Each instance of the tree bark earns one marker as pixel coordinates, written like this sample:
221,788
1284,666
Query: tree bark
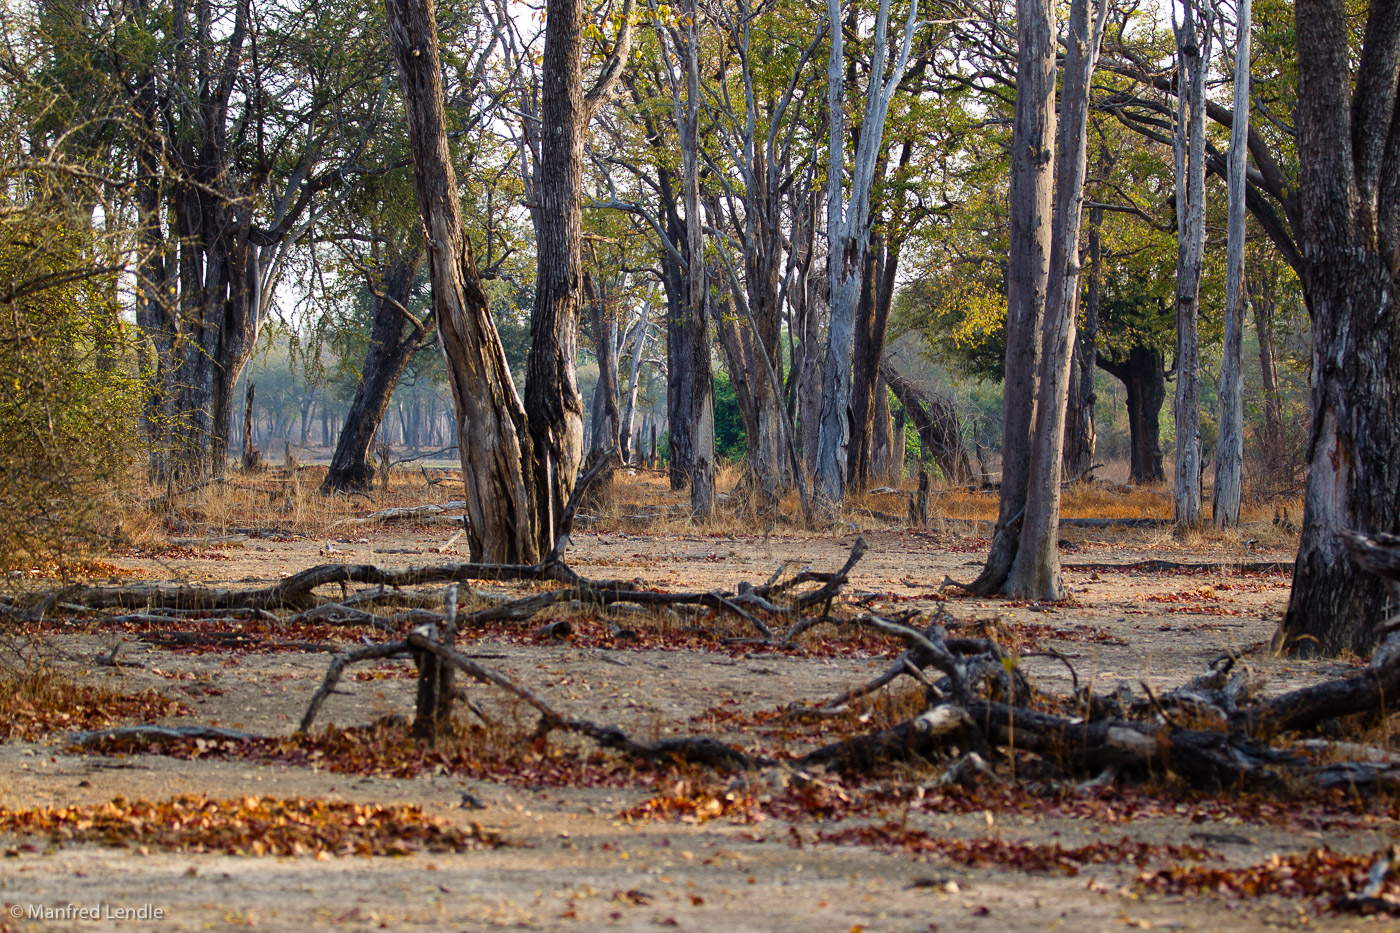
390,348
627,434
552,399
1035,573
1143,380
1229,449
495,444
1349,155
848,230
607,418
1188,146
1032,133
1080,432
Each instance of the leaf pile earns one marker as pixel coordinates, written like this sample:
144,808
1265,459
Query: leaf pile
385,749
1001,853
36,703
835,797
1317,873
688,801
251,826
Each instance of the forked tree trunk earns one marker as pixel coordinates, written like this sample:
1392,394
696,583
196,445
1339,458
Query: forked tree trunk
1349,158
1189,148
1229,449
848,229
627,431
393,340
1035,573
503,523
1032,135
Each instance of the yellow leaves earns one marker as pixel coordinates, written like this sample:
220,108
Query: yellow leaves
252,826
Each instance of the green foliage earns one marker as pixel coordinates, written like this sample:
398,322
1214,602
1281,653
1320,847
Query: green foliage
730,441
69,402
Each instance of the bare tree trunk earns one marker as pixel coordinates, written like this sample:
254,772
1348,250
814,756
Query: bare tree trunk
1262,298
702,451
627,432
503,525
881,433
869,348
1031,184
809,377
1035,574
390,348
1080,432
1349,174
1193,37
1229,449
1143,380
848,230
607,420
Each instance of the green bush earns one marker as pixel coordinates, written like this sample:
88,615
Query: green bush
68,401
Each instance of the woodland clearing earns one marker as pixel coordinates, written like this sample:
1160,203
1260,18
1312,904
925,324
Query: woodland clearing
505,829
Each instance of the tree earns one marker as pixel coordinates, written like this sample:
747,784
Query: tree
1193,38
552,399
848,226
1027,275
504,519
1035,574
1229,448
396,334
1349,175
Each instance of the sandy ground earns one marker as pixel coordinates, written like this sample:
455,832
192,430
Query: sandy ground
574,863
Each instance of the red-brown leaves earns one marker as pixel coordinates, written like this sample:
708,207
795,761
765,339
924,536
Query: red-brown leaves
1317,873
35,703
251,826
386,750
1001,853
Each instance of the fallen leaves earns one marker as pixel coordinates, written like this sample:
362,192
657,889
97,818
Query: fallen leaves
1001,853
34,704
385,749
252,826
1317,873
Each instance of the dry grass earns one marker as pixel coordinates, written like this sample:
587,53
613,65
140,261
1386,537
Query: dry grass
640,500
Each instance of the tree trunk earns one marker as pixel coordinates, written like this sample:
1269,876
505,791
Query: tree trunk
1030,202
1229,449
1080,431
393,340
1349,157
1262,298
1188,146
848,230
627,431
869,348
607,419
552,399
1143,379
1035,573
881,434
503,524
940,433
